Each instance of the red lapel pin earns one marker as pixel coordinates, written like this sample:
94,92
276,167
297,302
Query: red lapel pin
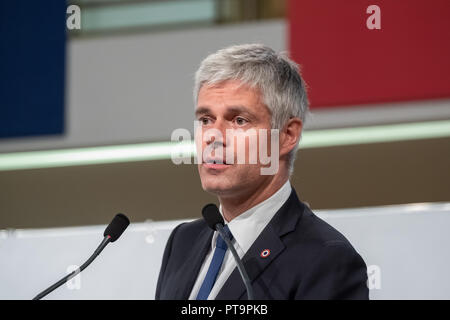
265,253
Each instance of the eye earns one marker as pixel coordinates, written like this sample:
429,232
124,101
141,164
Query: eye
204,121
240,121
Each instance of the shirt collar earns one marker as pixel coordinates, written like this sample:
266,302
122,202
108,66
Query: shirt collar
248,225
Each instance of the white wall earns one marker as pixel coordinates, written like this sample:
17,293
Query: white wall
405,247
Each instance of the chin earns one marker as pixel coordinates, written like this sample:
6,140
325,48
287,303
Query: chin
216,187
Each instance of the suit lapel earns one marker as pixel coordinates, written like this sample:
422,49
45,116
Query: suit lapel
284,221
188,272
254,264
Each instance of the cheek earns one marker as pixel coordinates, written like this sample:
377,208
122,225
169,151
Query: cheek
243,145
269,142
201,146
259,147
198,138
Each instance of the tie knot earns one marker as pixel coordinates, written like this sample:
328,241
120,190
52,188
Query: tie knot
220,243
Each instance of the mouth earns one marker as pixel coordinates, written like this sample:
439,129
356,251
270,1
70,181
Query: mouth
215,163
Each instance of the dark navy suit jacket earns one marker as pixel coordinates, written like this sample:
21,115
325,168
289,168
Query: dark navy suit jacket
308,259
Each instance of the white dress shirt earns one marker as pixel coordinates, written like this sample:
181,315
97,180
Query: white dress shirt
245,229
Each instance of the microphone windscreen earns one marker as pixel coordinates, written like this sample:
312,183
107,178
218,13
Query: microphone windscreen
116,227
212,215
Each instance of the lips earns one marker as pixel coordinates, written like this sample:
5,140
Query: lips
215,163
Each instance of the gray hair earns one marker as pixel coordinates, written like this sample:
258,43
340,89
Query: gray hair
274,74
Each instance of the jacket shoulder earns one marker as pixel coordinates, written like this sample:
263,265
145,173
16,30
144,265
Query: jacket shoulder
190,229
317,231
186,234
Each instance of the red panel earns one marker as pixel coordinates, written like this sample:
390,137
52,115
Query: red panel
345,63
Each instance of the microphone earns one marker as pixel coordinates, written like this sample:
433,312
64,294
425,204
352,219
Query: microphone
215,221
114,230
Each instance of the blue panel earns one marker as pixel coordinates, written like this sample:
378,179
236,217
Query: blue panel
32,67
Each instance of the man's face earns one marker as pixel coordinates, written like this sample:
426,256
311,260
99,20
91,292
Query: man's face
233,106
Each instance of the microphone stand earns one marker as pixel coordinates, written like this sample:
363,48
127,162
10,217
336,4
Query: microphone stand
240,266
97,251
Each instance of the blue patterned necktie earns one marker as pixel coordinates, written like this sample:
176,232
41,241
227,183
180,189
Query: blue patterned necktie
214,267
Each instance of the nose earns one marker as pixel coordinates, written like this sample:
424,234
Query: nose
215,134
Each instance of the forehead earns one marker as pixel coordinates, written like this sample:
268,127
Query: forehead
229,93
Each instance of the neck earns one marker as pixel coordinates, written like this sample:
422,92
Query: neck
236,205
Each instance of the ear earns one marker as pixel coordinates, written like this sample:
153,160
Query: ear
290,135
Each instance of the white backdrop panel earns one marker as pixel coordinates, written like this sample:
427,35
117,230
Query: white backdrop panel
406,248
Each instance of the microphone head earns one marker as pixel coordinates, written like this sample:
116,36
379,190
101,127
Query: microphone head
116,227
212,216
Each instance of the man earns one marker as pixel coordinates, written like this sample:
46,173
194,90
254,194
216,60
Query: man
287,251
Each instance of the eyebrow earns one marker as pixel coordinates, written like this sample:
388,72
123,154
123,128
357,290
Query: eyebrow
232,109
202,110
